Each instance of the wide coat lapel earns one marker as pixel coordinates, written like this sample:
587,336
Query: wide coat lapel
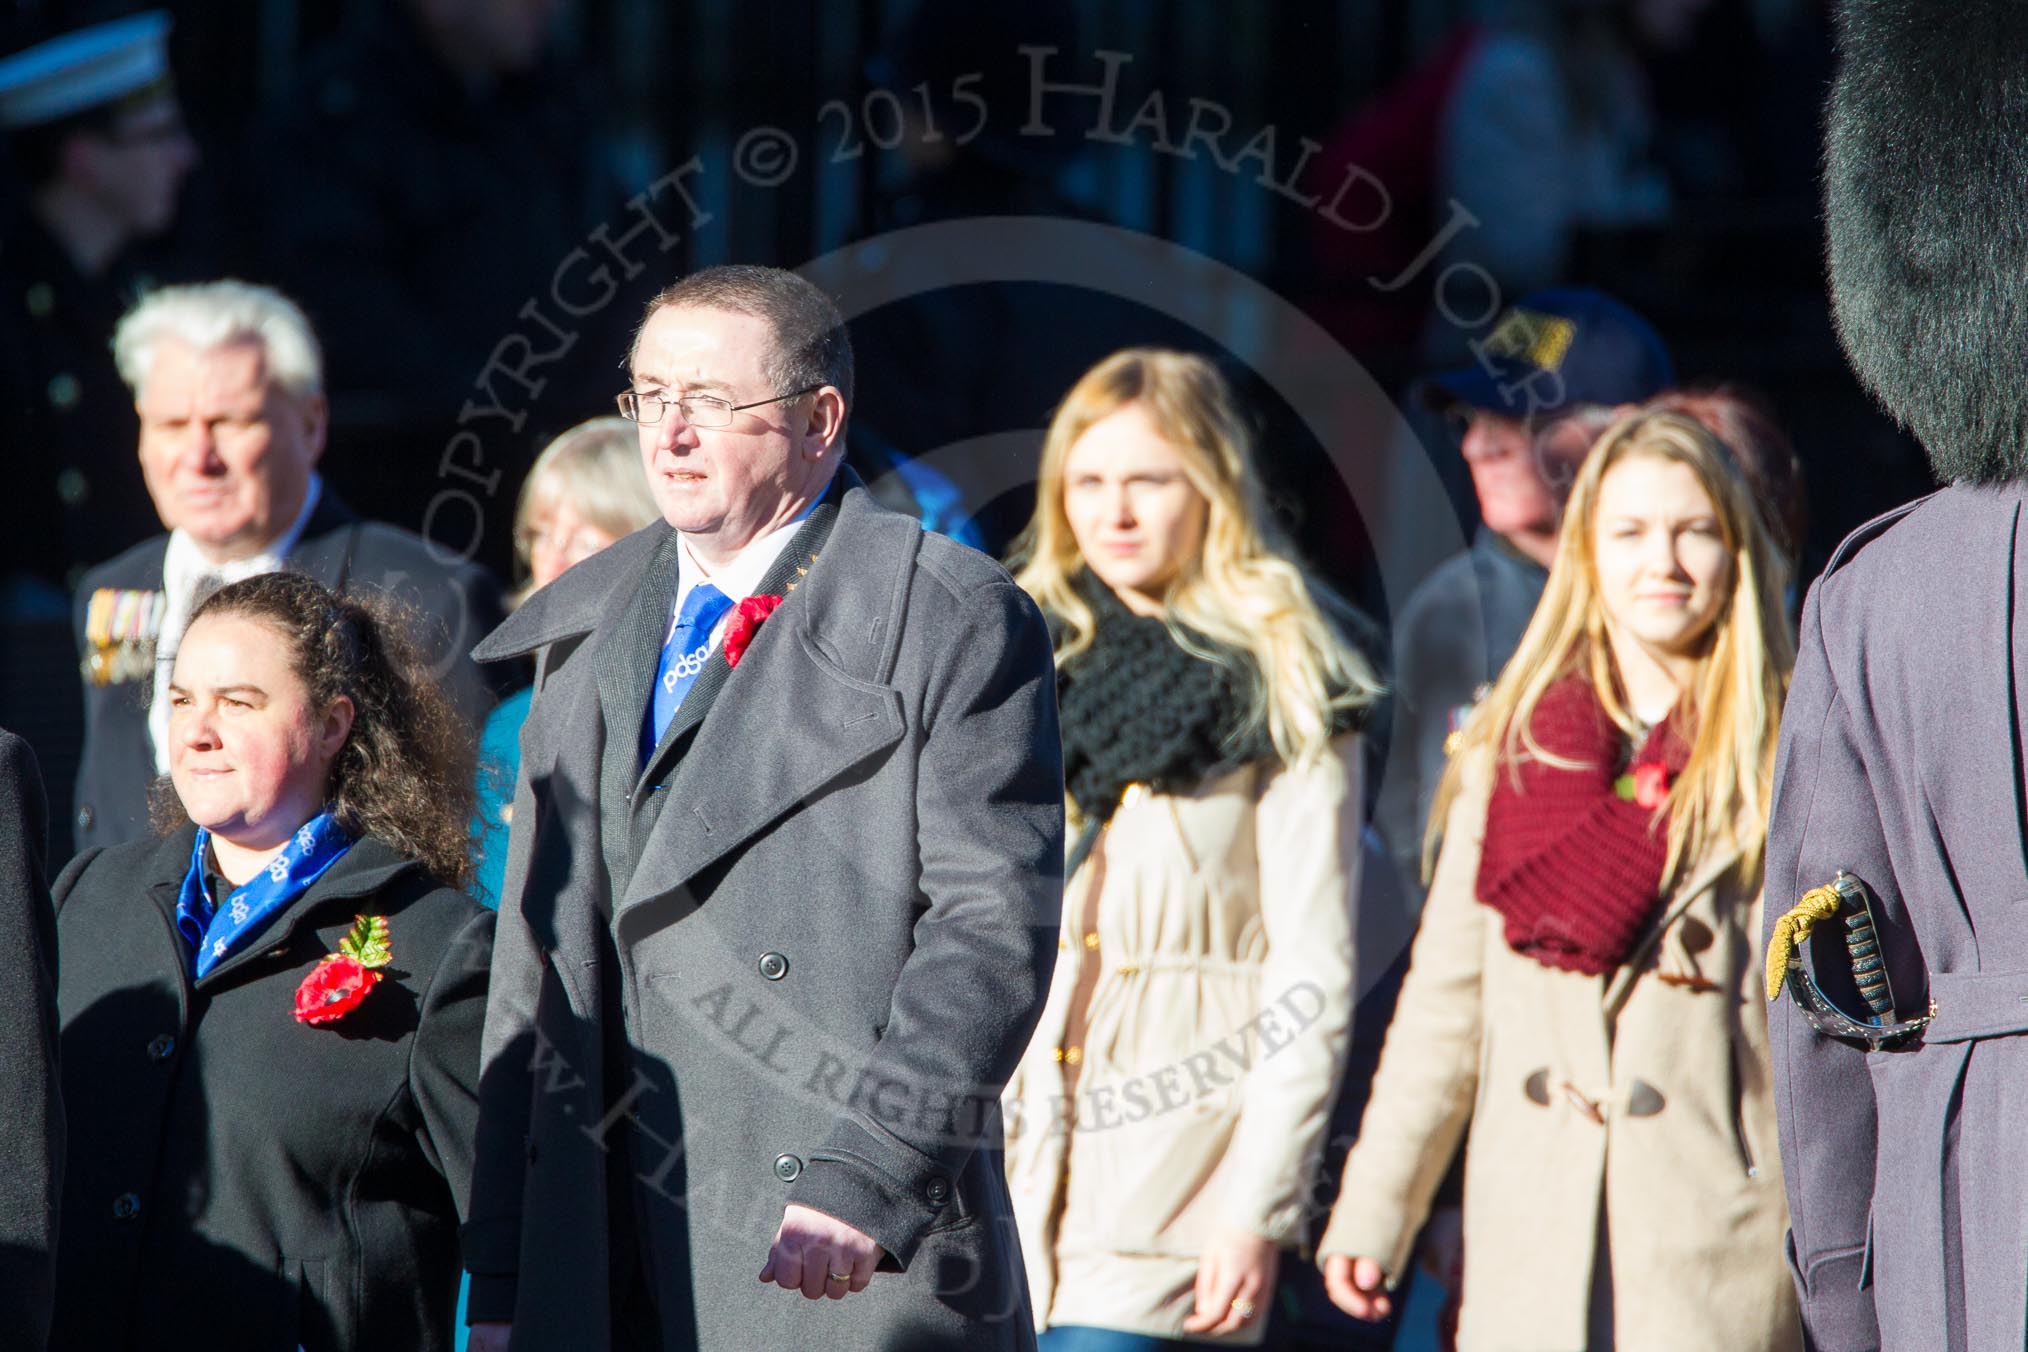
588,598
781,580
1708,873
809,700
324,551
606,687
629,650
165,866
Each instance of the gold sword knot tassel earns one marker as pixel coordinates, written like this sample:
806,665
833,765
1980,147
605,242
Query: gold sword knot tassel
1819,903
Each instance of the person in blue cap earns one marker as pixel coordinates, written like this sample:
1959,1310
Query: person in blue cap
1546,380
93,156
97,154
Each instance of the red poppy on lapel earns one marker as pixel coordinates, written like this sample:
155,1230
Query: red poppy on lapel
338,982
745,622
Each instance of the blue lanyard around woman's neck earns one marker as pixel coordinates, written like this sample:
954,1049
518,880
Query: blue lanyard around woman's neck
214,930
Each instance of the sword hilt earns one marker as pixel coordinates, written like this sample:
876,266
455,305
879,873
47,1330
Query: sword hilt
1869,972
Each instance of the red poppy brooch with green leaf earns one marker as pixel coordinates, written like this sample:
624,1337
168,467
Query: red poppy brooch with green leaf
337,984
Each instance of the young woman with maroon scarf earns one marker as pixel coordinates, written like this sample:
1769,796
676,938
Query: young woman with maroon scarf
1583,990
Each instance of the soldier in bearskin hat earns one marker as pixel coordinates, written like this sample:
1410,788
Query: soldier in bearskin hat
1897,861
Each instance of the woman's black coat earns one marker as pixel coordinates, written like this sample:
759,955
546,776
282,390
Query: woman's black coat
241,1180
31,1158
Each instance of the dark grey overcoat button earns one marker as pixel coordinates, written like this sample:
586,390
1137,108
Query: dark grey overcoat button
788,1168
938,1189
773,966
160,1046
126,1206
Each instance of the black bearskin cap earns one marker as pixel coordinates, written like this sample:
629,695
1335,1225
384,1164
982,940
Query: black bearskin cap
1926,206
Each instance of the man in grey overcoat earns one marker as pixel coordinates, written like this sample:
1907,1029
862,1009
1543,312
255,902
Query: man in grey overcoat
1903,739
781,892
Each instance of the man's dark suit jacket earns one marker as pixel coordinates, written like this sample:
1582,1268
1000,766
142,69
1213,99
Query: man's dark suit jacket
458,601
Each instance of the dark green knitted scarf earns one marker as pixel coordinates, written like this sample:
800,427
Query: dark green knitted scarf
1139,709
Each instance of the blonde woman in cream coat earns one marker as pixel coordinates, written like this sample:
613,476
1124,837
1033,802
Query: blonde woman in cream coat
1164,1127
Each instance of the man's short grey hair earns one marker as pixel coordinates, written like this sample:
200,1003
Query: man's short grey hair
811,344
212,314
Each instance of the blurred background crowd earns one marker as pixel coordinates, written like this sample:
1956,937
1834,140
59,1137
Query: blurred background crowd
471,200
1430,251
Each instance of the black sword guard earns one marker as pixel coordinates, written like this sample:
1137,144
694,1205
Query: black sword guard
1880,1029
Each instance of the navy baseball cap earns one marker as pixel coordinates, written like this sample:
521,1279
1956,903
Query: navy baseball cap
1558,349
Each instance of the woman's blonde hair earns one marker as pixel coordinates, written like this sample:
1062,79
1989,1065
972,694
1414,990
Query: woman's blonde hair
596,468
1736,694
1242,593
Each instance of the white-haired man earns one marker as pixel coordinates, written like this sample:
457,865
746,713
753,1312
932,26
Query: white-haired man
228,382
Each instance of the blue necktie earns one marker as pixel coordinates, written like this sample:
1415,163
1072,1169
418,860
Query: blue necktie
683,654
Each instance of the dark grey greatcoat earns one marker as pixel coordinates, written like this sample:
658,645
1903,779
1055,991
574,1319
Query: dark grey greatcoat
1902,761
824,921
242,1182
31,1157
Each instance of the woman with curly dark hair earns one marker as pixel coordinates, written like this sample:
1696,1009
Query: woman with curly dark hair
271,1015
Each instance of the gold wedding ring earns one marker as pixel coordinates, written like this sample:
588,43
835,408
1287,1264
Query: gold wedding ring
1243,1308
845,1277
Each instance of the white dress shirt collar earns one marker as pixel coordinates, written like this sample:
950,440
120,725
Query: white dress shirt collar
183,562
183,568
738,578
